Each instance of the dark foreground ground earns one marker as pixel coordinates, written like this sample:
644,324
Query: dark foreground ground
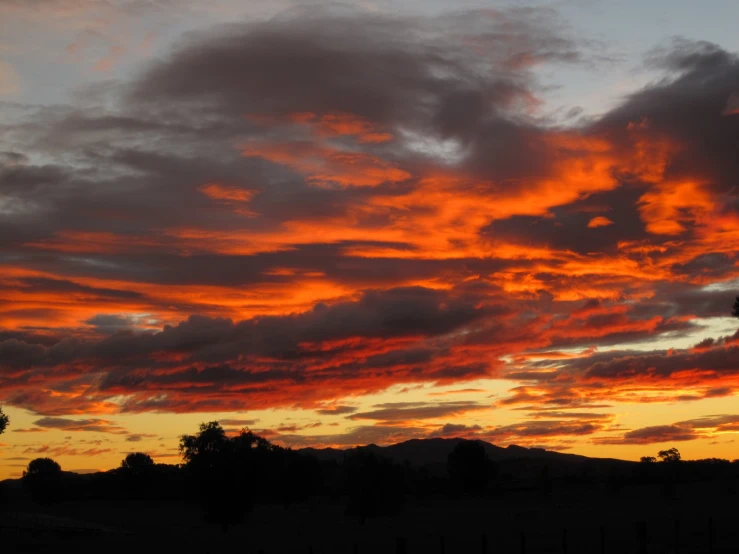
694,518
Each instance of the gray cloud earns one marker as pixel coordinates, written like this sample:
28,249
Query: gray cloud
409,411
92,425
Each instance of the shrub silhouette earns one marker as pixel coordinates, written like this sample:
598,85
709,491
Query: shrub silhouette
469,467
43,479
735,309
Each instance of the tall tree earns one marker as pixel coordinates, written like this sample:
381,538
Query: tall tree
222,483
205,450
672,455
4,420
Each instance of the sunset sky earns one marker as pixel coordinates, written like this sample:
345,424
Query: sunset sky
364,222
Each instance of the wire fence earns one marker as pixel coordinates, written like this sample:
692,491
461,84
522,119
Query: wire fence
709,535
41,523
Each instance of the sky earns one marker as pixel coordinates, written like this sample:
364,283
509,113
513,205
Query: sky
348,223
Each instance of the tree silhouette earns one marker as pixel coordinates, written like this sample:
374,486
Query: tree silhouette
672,455
138,472
206,449
258,468
469,466
220,469
735,309
4,420
137,463
647,459
43,479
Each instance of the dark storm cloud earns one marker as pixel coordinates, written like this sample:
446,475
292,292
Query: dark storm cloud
168,268
387,70
15,353
712,358
679,299
110,323
567,228
463,78
70,287
381,314
688,107
125,360
662,364
709,265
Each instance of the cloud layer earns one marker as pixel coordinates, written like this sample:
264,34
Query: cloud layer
299,212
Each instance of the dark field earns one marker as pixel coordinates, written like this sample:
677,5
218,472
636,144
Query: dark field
693,518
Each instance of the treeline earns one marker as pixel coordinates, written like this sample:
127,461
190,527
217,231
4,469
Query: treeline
228,476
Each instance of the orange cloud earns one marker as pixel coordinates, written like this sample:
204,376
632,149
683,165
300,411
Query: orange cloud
732,105
109,62
669,207
329,125
326,166
402,234
217,191
599,221
10,80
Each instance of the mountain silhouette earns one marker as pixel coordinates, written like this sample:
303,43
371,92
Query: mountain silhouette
420,452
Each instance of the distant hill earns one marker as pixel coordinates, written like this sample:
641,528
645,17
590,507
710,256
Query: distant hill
421,452
432,454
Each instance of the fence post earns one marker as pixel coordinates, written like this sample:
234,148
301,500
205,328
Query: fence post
523,542
642,537
400,547
677,536
484,544
602,540
564,541
356,548
710,535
